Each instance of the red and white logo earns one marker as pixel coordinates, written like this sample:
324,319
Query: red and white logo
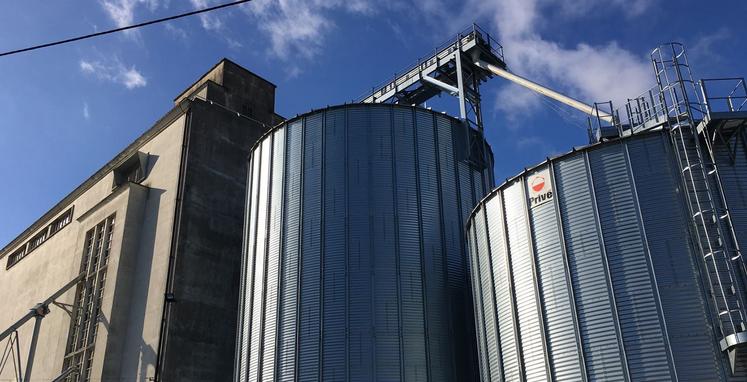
538,183
540,187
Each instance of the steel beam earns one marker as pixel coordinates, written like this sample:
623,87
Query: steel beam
39,312
443,85
460,81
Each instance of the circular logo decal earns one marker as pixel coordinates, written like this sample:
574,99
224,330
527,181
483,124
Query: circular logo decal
538,183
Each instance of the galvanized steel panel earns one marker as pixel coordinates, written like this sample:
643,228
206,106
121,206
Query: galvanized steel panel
484,273
646,353
617,273
259,253
310,279
334,317
273,257
484,294
287,322
522,273
663,211
361,325
413,303
248,260
733,175
556,298
433,251
734,181
604,358
383,244
504,300
366,277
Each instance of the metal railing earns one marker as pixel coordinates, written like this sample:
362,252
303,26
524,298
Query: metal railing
441,51
646,110
597,124
733,101
712,227
653,107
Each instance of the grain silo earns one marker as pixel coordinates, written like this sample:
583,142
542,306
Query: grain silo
354,267
621,261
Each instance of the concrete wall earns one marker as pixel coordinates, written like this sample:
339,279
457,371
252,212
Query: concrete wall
244,92
202,320
138,356
57,261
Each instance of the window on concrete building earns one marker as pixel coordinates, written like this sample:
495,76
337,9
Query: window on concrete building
131,170
38,239
61,222
87,306
16,256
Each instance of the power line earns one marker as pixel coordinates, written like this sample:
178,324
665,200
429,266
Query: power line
97,34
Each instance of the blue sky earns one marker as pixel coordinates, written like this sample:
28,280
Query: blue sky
67,110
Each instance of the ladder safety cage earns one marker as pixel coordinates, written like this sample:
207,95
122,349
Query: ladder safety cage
680,107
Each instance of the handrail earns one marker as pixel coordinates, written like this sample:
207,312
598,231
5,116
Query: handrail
738,92
442,50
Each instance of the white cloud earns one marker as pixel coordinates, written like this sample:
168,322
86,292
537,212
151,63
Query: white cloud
514,102
209,21
704,49
233,44
131,78
589,72
628,8
122,12
292,72
87,67
114,71
535,144
297,27
178,33
86,112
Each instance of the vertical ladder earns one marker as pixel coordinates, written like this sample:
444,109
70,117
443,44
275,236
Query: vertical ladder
711,222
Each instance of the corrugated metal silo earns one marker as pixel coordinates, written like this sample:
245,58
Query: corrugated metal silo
585,268
354,266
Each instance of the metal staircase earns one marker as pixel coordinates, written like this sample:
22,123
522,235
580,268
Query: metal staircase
723,267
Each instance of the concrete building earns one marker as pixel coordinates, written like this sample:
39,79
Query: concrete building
156,234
